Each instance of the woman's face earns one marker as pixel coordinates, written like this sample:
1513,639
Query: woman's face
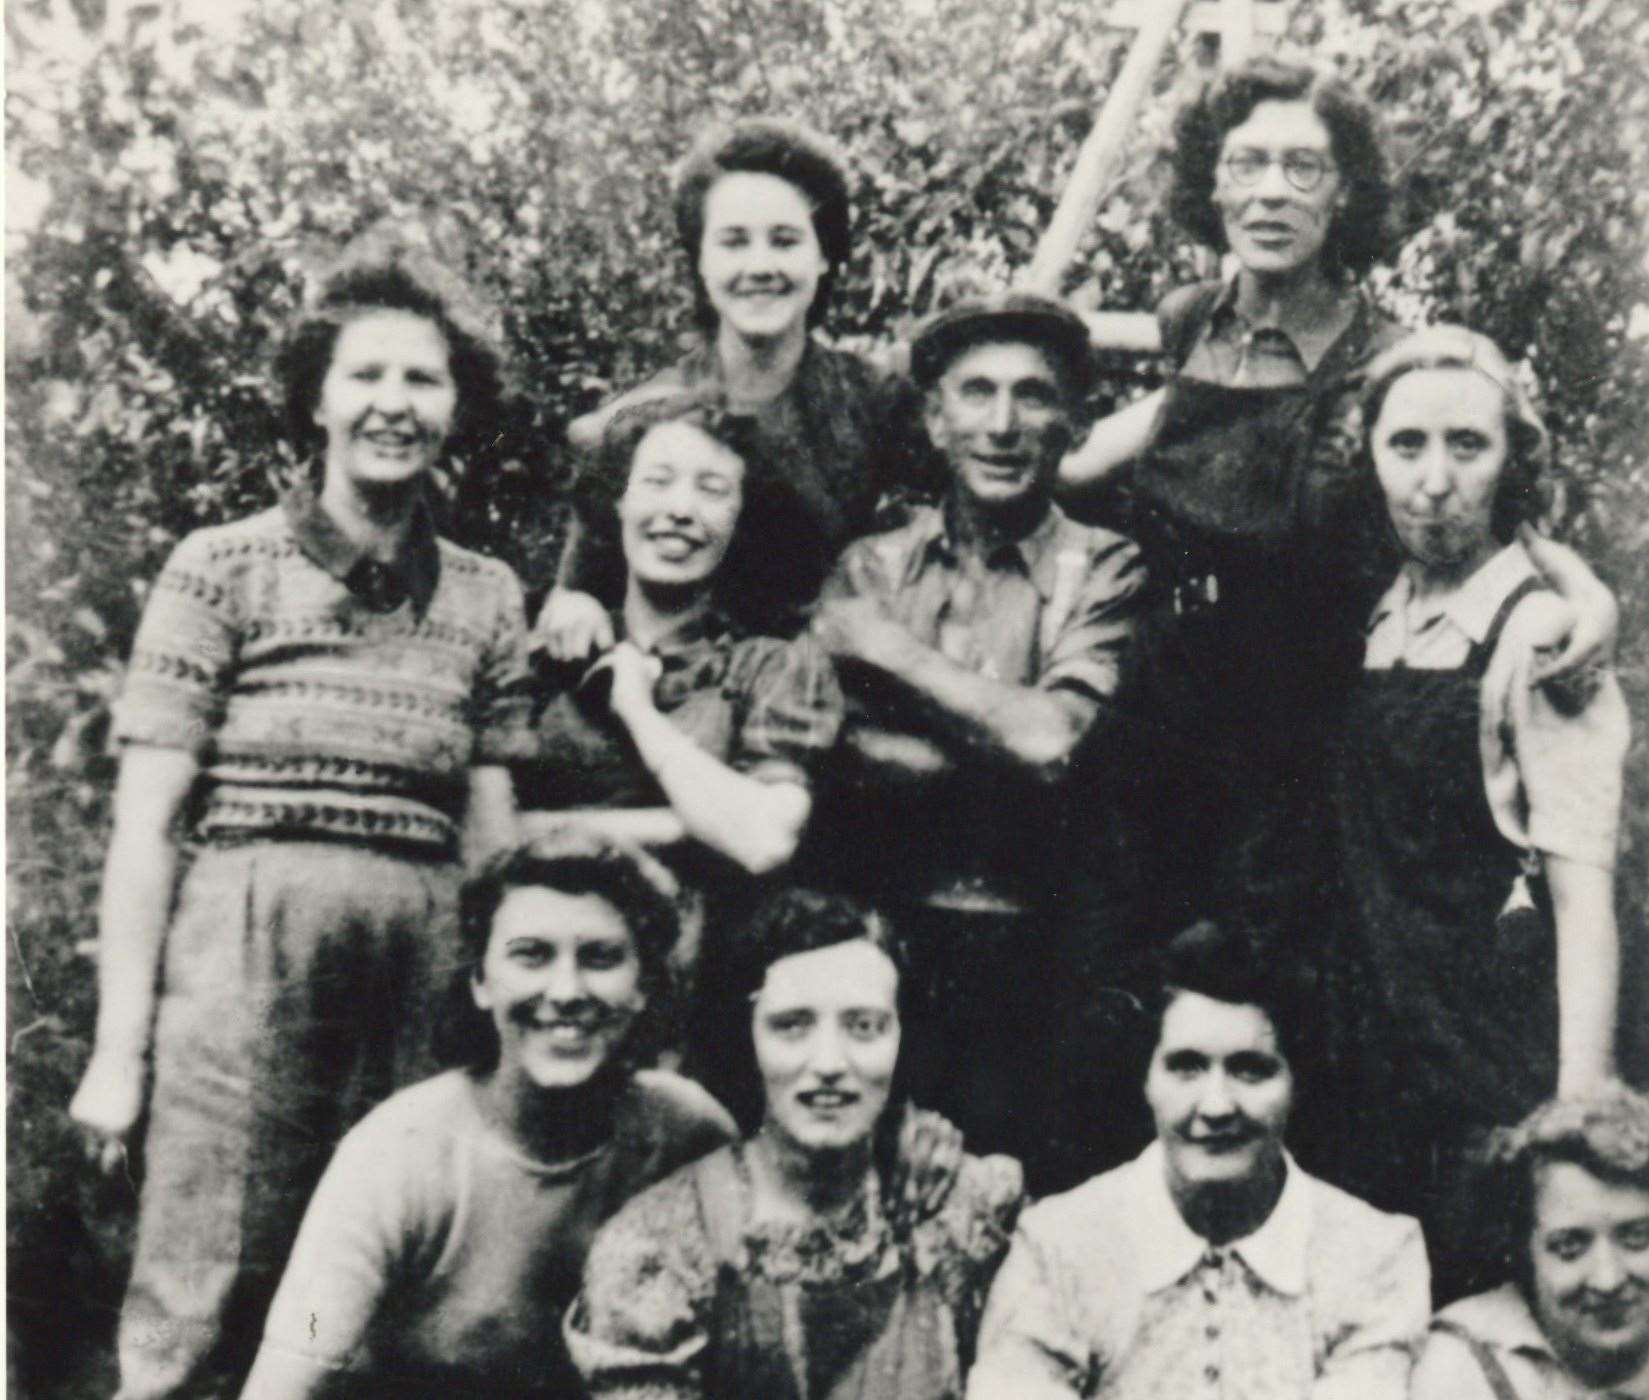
562,981
760,257
1275,228
826,1028
680,506
1590,1254
1439,447
388,399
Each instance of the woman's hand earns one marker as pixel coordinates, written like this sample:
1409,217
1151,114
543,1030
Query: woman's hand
1589,641
634,674
572,626
107,1105
930,1160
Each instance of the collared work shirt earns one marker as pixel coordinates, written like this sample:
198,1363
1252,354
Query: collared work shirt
1053,609
1106,1291
1553,757
1500,1322
1235,350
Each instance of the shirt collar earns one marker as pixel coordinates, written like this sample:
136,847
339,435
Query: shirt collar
1036,552
1170,1249
709,626
413,573
1312,338
1472,607
1503,1319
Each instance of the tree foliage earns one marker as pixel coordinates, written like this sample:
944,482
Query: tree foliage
186,175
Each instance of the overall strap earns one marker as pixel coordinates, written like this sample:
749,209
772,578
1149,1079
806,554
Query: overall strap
1183,316
1482,653
1493,1372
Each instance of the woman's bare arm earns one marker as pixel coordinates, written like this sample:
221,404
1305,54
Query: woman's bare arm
1588,973
139,875
1110,443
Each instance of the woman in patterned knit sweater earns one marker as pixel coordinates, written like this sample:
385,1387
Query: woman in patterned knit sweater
315,694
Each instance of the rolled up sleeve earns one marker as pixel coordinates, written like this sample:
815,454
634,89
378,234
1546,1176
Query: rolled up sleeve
790,711
1373,1355
1090,649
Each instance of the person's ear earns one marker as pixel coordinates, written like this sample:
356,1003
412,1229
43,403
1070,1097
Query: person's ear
479,992
933,418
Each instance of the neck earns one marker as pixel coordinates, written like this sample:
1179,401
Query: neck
819,1182
652,613
553,1125
757,371
985,528
1304,296
378,519
1431,577
1229,1210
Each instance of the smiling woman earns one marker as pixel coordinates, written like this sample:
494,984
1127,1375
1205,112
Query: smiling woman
448,1234
772,1268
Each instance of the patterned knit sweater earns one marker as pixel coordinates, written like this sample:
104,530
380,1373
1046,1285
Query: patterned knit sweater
312,711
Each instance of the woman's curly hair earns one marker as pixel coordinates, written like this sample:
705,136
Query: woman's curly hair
391,267
1607,1135
1358,235
569,861
766,146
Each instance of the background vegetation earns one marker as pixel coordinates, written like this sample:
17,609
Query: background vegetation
176,172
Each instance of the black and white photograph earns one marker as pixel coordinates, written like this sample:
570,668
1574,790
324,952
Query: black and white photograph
827,699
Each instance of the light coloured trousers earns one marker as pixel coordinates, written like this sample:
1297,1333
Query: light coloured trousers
299,988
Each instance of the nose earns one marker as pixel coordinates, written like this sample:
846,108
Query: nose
564,981
1215,1100
1435,479
1605,1272
1004,416
390,395
827,1057
1273,184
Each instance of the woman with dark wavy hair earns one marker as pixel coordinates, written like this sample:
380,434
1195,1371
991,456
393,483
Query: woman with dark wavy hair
316,695
1568,1200
781,1266
763,217
448,1235
1245,497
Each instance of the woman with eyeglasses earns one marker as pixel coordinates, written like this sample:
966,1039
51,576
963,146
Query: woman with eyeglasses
1242,495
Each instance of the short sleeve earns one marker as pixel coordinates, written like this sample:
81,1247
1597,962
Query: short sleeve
640,1328
1379,1320
502,697
1029,1347
365,1219
1448,1371
1554,758
183,660
789,709
1090,649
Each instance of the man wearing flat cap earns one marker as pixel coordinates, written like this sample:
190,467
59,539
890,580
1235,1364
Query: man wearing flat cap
981,644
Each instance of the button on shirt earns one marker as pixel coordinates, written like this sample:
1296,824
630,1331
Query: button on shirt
1501,1323
1106,1291
1553,754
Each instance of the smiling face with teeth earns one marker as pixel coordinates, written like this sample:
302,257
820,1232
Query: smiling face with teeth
561,979
760,260
826,1029
680,506
387,402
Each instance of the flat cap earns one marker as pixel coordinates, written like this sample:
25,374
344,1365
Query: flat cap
975,319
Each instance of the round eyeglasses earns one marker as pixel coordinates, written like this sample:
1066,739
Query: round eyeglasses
1304,170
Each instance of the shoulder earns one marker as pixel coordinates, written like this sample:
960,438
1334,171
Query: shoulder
1349,1236
1181,313
658,1232
220,548
681,1117
921,524
1101,546
423,1119
983,1207
1447,1369
1066,1223
473,565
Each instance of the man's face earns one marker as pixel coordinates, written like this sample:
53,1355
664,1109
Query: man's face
998,414
1220,1091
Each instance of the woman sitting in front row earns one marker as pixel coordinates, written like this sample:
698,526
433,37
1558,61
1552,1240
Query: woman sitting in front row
772,1268
1574,1204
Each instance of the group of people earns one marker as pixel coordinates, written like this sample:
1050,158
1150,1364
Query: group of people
898,764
